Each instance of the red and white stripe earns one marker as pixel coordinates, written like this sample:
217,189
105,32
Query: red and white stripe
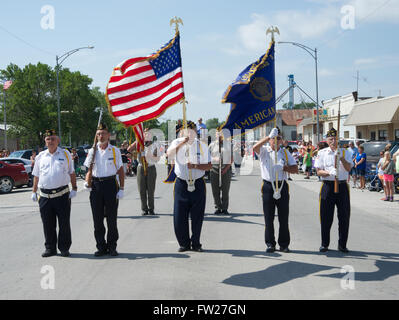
139,133
135,94
7,84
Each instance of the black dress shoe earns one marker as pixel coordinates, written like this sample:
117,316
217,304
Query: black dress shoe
100,253
343,249
183,249
286,250
323,249
48,253
218,211
113,252
151,212
144,213
198,249
225,212
271,249
65,254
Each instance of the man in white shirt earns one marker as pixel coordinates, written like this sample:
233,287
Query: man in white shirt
192,159
105,190
53,171
275,196
328,171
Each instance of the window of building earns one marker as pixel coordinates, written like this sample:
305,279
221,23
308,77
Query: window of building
372,135
346,134
396,134
382,135
330,125
359,135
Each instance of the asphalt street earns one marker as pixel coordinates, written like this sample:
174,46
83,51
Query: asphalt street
234,264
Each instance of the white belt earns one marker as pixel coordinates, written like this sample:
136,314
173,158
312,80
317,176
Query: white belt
53,195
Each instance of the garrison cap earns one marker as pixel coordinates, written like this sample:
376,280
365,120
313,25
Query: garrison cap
49,133
102,126
332,133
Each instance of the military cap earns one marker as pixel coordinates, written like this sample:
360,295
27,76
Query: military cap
49,133
102,126
191,125
332,133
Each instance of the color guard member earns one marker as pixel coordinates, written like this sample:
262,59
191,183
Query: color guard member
273,196
53,171
325,166
192,159
105,191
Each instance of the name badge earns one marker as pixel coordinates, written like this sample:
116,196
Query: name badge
61,159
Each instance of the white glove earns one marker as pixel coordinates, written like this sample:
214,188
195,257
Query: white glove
273,133
332,171
34,197
86,186
72,194
119,195
278,167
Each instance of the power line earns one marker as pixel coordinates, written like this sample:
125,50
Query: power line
26,42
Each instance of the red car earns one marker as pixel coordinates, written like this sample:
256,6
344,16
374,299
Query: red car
12,175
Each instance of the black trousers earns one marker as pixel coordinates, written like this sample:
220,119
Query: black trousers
52,210
189,204
105,205
269,206
328,201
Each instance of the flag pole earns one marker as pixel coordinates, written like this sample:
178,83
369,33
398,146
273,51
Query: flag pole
273,30
176,21
5,120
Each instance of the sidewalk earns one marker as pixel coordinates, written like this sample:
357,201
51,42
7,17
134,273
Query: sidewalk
368,201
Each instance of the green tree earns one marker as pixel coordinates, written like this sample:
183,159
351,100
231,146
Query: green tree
212,123
303,105
32,104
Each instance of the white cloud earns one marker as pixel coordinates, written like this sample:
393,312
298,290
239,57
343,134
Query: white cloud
365,61
292,25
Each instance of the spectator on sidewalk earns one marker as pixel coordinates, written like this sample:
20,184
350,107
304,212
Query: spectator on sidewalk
307,160
389,172
360,164
380,173
354,152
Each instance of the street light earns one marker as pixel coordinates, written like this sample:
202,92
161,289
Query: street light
59,60
313,53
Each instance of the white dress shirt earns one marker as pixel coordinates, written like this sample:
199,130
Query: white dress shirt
53,170
104,163
325,160
267,161
197,152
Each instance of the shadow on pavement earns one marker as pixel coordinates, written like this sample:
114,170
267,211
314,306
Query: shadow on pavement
276,275
291,270
129,256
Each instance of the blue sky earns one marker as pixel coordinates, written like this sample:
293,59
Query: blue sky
219,39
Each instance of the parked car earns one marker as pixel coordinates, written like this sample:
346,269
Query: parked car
26,163
21,154
12,175
347,141
373,149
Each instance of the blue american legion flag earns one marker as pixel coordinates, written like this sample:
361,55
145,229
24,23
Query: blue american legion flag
143,88
252,95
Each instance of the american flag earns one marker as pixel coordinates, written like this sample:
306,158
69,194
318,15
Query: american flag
139,133
7,84
141,89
